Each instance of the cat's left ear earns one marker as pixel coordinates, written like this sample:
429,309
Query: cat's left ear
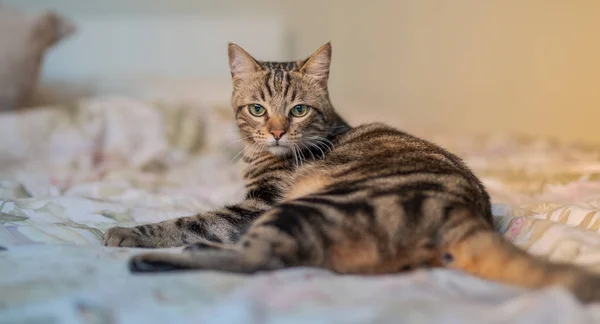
317,65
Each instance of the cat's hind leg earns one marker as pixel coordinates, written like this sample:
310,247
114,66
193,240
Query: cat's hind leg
218,260
202,246
472,246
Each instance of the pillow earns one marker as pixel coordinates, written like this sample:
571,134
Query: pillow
24,39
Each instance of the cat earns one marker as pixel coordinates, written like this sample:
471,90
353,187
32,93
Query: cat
355,200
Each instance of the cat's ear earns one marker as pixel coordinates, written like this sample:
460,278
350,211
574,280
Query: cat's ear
317,65
240,62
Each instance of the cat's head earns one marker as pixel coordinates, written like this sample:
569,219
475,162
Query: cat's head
282,107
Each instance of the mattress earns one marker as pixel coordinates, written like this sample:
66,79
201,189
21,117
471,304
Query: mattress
67,173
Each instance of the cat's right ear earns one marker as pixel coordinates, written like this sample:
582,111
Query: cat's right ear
240,62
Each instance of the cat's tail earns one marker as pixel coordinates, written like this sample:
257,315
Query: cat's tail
477,249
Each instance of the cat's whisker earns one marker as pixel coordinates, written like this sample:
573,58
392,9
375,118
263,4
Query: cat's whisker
258,149
301,153
309,151
320,144
309,143
322,140
241,151
239,140
326,141
295,155
250,153
234,144
318,148
302,157
300,160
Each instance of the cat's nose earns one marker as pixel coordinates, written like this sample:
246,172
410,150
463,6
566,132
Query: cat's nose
277,133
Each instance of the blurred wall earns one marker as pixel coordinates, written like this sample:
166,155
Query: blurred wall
122,39
496,65
122,46
529,67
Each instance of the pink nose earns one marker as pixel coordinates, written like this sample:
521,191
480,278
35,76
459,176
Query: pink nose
277,133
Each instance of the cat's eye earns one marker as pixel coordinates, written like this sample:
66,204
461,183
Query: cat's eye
300,110
256,110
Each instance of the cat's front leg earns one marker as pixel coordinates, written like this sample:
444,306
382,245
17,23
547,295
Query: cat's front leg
225,225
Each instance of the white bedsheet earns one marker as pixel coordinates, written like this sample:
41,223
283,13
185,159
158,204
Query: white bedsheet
72,284
113,168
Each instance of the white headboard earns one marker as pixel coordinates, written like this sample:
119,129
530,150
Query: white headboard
113,47
191,46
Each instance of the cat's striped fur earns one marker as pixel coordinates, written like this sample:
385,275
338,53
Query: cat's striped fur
366,200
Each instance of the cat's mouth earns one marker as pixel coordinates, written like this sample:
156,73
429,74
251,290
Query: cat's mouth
279,149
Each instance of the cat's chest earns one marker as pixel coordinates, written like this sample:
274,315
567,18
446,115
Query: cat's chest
305,184
292,181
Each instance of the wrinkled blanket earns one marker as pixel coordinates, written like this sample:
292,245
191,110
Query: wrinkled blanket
69,173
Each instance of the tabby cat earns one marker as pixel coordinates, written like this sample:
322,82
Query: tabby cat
362,200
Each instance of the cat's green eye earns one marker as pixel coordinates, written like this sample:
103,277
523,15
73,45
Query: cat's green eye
300,110
256,110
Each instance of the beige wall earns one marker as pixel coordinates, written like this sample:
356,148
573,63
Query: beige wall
528,66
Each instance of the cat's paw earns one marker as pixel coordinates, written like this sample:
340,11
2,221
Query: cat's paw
587,288
124,237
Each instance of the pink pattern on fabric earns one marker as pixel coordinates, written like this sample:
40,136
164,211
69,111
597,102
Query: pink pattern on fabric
515,228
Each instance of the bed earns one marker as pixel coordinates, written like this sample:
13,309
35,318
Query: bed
69,172
144,150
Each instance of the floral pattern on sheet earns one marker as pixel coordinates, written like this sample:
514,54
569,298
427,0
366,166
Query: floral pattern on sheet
120,161
72,172
114,161
546,194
